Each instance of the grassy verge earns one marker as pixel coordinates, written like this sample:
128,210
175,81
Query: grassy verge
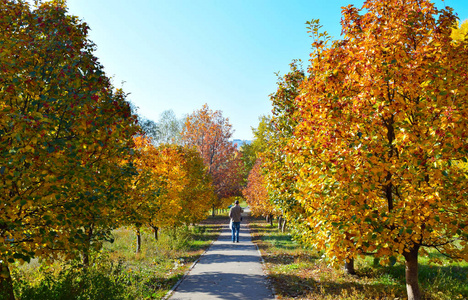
299,273
116,272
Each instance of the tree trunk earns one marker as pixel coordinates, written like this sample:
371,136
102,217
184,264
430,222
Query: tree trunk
213,211
412,284
283,227
280,220
349,266
138,241
271,220
88,246
155,231
6,283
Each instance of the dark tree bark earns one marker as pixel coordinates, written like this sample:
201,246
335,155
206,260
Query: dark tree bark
412,284
349,266
88,246
138,242
155,231
269,219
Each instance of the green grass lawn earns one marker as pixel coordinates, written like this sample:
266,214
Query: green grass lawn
300,273
116,272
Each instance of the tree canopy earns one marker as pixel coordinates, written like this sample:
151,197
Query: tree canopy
382,134
209,132
65,135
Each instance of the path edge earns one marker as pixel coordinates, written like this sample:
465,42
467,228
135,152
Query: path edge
265,270
176,285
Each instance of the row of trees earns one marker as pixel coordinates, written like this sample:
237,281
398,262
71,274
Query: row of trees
74,161
367,152
170,189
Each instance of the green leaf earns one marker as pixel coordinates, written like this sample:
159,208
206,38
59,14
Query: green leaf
17,255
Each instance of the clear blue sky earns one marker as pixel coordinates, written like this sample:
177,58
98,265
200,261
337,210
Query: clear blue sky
180,54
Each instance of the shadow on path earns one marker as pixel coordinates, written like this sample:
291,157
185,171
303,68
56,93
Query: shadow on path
227,271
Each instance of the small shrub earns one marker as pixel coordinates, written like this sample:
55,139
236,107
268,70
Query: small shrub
102,280
177,238
199,230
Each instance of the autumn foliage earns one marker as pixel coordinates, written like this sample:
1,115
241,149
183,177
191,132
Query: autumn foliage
171,188
156,187
365,155
74,164
276,132
459,33
382,136
256,194
65,136
209,132
196,195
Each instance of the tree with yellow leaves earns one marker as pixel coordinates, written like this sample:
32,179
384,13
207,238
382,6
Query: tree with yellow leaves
155,193
382,131
459,33
171,188
195,197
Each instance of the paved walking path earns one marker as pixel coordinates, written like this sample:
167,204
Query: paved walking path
227,271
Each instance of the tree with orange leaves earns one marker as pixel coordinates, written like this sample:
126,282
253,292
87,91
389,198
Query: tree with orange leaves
209,132
256,194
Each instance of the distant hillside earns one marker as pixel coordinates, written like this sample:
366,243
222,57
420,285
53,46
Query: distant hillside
240,142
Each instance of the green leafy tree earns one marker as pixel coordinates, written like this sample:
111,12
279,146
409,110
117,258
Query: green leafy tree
273,138
169,128
250,152
149,128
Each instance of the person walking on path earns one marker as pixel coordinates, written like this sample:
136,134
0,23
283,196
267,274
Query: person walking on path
235,215
226,271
